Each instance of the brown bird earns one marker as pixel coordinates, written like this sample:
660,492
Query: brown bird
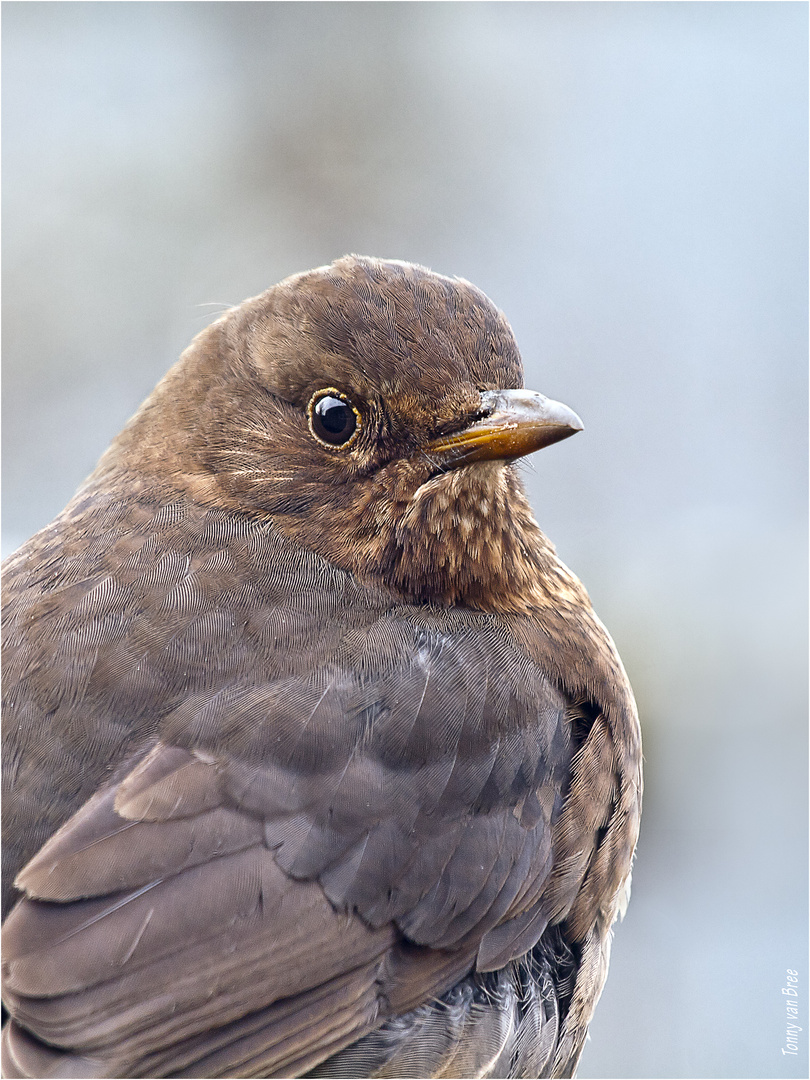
317,759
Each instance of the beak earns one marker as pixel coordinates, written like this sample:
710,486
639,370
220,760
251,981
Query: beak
515,422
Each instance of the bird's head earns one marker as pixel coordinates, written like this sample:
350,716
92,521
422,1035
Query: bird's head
373,410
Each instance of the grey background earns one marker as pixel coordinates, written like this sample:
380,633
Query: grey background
628,182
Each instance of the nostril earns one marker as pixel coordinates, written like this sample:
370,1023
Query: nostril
482,414
489,403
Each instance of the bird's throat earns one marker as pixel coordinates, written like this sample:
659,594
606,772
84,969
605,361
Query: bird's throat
469,537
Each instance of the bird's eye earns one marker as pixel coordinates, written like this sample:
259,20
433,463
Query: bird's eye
333,419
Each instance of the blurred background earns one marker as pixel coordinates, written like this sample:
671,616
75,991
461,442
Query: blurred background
628,182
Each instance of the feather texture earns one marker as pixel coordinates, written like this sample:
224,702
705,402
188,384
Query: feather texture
313,763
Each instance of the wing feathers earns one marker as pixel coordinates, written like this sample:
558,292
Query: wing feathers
99,851
168,783
197,918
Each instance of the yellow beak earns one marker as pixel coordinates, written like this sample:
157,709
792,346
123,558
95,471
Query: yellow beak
515,422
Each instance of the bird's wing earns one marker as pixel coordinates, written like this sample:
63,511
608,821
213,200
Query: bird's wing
362,842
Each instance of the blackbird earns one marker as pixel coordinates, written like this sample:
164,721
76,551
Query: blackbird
317,760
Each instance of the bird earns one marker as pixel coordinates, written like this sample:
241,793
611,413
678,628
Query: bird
317,760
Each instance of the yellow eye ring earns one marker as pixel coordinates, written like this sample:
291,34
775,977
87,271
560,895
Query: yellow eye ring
334,421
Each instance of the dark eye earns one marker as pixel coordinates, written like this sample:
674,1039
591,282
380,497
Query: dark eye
332,417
